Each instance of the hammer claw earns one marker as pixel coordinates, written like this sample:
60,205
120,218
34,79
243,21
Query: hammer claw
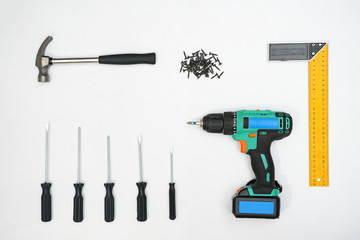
43,62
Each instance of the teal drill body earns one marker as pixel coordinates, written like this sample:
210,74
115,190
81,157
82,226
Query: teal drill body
255,130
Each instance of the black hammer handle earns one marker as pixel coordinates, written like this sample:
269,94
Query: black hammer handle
109,202
78,203
141,202
131,58
46,202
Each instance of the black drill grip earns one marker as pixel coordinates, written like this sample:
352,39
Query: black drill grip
172,206
78,203
263,166
130,58
109,202
46,202
141,202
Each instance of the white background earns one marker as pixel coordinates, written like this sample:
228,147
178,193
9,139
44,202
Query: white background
157,101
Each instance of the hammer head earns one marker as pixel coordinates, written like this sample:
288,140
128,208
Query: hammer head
43,62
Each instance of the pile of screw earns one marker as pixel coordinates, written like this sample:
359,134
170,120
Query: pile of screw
201,64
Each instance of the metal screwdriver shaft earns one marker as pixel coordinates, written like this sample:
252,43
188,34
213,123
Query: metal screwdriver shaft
172,205
78,198
46,196
141,198
109,198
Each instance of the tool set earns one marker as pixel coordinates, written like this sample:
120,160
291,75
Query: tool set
255,130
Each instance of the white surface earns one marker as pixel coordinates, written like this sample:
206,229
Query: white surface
157,101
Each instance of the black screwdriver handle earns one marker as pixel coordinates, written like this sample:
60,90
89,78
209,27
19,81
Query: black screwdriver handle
78,203
172,206
130,58
141,202
46,202
109,202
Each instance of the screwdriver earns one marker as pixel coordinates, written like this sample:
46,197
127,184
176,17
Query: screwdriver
141,198
46,196
172,208
78,198
109,198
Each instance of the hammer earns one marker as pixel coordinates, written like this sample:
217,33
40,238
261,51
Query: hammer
44,62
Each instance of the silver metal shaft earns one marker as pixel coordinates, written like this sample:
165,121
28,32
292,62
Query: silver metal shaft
140,158
108,160
171,165
47,128
74,60
79,157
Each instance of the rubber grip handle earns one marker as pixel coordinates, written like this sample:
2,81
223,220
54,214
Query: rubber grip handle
263,166
172,206
130,58
109,202
78,203
46,202
141,202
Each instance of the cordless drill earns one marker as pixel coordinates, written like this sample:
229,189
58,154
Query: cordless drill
255,130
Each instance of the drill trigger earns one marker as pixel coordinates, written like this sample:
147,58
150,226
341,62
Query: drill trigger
243,145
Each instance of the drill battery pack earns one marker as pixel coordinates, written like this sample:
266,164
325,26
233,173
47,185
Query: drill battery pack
256,207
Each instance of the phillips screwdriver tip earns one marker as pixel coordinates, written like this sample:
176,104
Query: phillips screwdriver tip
193,122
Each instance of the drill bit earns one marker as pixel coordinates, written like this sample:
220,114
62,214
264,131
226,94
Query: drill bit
46,195
194,123
78,198
109,198
141,198
172,208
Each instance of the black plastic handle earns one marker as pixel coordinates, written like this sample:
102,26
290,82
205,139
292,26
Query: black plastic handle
141,202
109,202
130,58
46,202
263,166
172,206
78,203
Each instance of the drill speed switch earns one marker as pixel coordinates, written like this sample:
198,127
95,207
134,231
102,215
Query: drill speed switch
255,130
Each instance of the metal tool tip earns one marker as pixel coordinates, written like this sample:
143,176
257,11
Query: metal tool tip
47,127
139,138
172,150
193,123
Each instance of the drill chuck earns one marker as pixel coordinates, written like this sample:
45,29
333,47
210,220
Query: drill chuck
220,123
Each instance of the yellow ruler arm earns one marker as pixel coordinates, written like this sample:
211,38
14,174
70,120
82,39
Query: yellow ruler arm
318,119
